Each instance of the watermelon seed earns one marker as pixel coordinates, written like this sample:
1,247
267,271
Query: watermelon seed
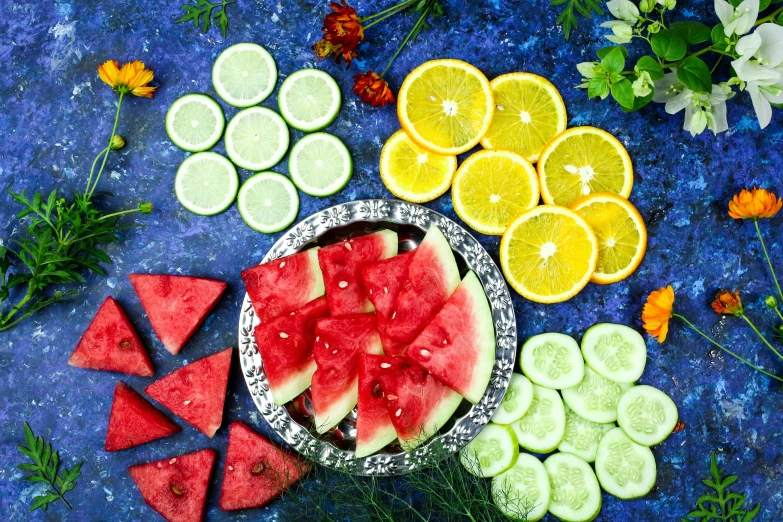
348,246
318,338
425,353
258,468
327,345
370,291
334,352
172,461
398,412
385,365
377,391
231,468
186,403
391,397
282,265
385,290
124,343
342,284
394,314
177,489
445,341
283,335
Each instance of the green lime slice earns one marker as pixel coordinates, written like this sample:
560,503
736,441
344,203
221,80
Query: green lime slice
195,122
244,74
268,202
309,100
320,164
256,138
206,183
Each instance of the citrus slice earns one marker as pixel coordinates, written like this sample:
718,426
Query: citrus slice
309,100
412,173
491,188
195,122
529,112
320,164
445,106
256,138
548,254
268,202
583,160
622,236
244,74
206,183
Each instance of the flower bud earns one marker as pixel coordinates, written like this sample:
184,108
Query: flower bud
647,5
771,301
146,208
117,142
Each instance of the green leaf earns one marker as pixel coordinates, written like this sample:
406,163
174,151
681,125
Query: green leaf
692,32
718,38
651,65
669,45
752,513
763,4
603,51
695,74
622,92
597,87
614,61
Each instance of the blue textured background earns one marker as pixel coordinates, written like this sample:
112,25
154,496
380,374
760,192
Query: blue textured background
56,115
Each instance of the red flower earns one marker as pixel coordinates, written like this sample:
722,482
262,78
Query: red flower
343,32
372,89
728,303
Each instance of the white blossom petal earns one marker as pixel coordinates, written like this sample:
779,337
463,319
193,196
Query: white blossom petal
725,12
679,102
752,71
761,105
770,48
721,123
663,86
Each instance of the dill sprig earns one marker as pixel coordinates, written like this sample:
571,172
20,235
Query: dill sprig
721,504
204,12
567,17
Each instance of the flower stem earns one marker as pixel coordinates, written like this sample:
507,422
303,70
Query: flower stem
769,262
395,8
121,212
416,28
763,339
108,148
769,18
92,169
717,63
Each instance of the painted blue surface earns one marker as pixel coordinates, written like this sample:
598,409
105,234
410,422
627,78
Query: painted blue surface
56,115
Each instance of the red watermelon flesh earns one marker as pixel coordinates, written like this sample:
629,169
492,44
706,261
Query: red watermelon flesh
256,470
176,487
374,428
196,392
342,264
134,421
458,345
286,347
110,343
390,345
281,286
432,278
339,343
176,305
383,280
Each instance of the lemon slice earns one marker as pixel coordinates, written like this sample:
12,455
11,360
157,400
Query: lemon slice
491,188
622,236
445,106
548,254
529,112
412,173
583,160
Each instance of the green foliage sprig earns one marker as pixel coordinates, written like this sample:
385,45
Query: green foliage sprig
722,505
567,18
204,12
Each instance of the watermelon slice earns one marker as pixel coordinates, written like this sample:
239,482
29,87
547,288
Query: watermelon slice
374,428
432,278
339,342
342,265
256,470
383,280
134,421
418,404
286,347
196,392
176,305
283,285
458,346
176,487
110,343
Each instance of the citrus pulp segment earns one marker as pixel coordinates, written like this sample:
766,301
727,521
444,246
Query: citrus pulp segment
256,138
268,202
244,74
206,183
195,122
309,100
320,164
413,173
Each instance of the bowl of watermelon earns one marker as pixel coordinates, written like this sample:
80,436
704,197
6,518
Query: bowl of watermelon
376,335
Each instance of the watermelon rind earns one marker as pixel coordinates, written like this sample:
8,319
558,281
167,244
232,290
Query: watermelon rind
440,416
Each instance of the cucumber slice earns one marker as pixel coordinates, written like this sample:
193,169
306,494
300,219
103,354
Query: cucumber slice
516,401
320,164
195,122
541,429
575,493
625,469
615,351
522,492
268,202
552,360
244,74
256,138
595,398
582,436
492,452
309,100
206,183
647,415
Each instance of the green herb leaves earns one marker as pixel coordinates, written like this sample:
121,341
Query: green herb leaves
723,505
204,12
567,17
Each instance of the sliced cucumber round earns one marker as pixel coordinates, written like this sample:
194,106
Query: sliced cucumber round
595,398
575,493
582,436
195,122
268,202
206,183
244,74
516,401
647,415
309,100
320,164
256,138
552,360
624,469
541,429
522,492
492,452
615,351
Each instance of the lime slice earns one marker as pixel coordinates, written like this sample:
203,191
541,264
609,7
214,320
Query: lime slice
320,165
244,74
206,183
268,202
309,100
256,138
195,122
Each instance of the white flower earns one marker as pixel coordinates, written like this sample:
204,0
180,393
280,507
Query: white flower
624,10
759,53
763,93
668,4
737,20
642,85
702,110
622,31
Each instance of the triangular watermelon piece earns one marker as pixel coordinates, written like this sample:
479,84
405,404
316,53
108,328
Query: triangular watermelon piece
176,305
342,264
390,345
339,342
281,286
196,392
176,487
110,343
458,345
134,421
374,428
286,347
256,470
383,281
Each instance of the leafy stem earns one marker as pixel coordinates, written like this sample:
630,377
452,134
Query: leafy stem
724,505
203,12
107,150
770,17
417,27
382,15
769,262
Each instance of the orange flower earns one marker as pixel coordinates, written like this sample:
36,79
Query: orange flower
728,303
343,32
131,78
372,89
657,311
755,204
